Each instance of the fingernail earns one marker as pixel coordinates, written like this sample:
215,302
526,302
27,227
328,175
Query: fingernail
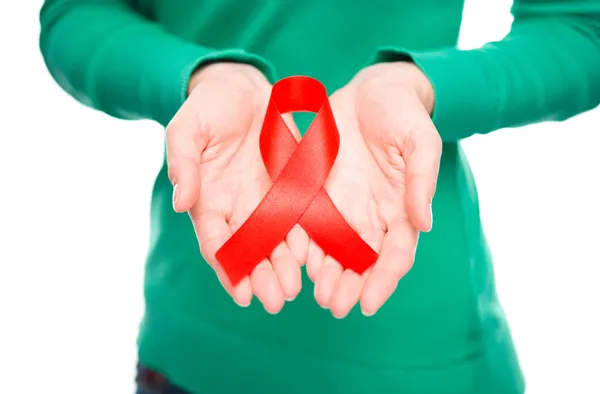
244,305
175,196
430,217
271,312
290,299
367,314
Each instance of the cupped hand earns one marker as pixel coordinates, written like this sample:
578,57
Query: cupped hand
219,177
383,182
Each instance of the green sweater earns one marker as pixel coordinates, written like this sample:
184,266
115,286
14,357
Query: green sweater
443,331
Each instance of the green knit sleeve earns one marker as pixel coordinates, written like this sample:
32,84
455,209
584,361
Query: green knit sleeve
110,57
546,69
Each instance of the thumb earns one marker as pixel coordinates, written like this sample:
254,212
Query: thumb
184,148
422,166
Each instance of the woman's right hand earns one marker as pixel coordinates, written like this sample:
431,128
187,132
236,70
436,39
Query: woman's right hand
219,177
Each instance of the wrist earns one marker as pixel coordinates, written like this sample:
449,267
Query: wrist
401,73
242,75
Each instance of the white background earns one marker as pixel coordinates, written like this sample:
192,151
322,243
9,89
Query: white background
74,204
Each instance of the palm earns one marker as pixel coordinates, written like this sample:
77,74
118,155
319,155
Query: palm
231,180
368,186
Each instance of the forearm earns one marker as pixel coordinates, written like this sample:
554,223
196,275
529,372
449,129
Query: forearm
547,68
108,56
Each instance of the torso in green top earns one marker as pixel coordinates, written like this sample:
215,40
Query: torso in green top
442,332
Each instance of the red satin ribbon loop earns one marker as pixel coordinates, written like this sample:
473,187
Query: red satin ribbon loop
298,171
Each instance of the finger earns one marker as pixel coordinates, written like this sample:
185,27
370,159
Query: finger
242,293
422,167
347,292
288,271
213,231
350,286
395,260
298,242
314,260
185,143
327,279
266,287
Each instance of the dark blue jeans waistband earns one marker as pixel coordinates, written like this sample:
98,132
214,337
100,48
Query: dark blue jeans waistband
152,382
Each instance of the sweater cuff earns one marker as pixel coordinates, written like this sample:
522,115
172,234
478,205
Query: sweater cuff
178,71
463,106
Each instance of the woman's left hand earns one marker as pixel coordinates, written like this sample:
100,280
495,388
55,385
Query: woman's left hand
383,182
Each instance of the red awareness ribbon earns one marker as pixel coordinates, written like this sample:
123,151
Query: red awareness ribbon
298,171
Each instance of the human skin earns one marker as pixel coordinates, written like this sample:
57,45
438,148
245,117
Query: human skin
219,178
383,180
